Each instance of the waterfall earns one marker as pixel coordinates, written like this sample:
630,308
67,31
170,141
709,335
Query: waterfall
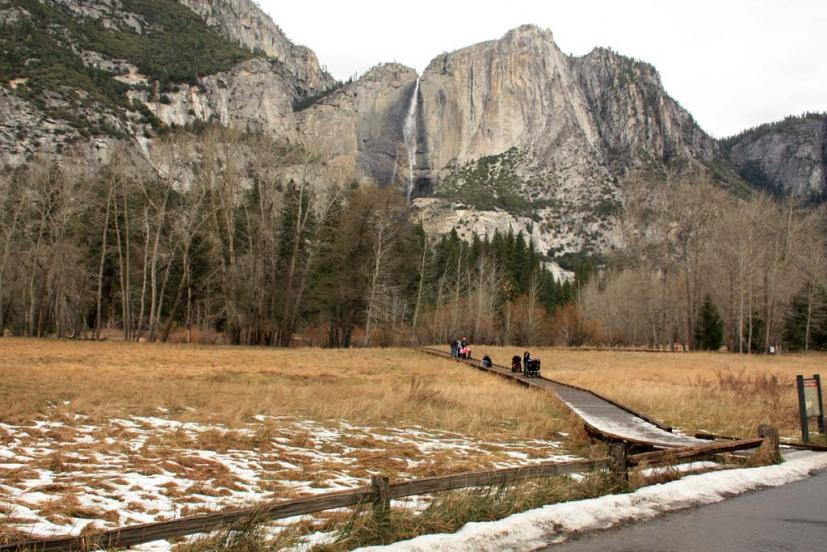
409,135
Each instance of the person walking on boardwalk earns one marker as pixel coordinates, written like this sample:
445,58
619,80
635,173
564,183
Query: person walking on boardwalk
526,359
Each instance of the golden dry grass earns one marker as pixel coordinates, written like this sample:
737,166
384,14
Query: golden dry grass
718,392
229,385
331,417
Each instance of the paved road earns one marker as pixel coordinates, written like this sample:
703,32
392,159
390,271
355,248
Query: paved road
791,517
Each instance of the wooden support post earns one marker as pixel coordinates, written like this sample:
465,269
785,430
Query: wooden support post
802,410
382,502
820,418
769,450
619,463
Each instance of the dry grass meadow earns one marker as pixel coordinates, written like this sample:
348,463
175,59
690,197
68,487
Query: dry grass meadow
230,385
96,435
721,393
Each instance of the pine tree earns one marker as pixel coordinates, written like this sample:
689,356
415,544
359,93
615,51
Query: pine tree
709,330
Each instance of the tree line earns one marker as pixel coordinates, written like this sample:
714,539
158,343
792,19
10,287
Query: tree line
702,268
234,237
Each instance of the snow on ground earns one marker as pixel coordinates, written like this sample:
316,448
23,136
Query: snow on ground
536,528
57,476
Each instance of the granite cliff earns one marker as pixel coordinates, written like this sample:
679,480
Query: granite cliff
99,71
785,158
506,134
550,137
244,22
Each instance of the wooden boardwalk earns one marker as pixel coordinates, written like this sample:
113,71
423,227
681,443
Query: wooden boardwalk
601,416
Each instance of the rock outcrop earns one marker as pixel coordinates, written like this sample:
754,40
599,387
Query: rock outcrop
244,22
73,82
358,129
550,135
785,158
254,96
639,124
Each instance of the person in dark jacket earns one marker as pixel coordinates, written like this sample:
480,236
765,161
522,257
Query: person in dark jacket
526,358
486,361
454,348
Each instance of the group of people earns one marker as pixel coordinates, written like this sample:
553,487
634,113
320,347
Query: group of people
460,348
527,365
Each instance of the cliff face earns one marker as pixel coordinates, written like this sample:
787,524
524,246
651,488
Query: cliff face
98,71
510,134
518,91
786,158
638,122
244,22
548,136
522,91
359,128
255,96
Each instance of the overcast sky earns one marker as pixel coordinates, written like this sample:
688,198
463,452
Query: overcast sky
732,63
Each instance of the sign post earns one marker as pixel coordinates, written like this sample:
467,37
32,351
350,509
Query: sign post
810,404
817,378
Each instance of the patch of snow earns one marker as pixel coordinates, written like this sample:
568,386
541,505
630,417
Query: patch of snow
153,467
536,528
691,466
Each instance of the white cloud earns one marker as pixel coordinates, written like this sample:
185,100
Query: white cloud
732,63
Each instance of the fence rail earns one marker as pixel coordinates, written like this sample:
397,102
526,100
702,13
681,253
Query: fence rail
785,443
379,493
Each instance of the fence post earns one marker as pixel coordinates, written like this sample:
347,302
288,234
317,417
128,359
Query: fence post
802,410
820,419
770,447
619,463
382,502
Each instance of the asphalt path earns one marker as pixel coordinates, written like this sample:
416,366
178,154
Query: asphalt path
790,517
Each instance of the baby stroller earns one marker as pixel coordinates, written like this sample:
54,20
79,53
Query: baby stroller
516,364
533,368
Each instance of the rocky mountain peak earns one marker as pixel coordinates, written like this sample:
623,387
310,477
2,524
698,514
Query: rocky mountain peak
246,23
392,73
528,32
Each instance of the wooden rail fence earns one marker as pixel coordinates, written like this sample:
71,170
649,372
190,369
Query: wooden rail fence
379,493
